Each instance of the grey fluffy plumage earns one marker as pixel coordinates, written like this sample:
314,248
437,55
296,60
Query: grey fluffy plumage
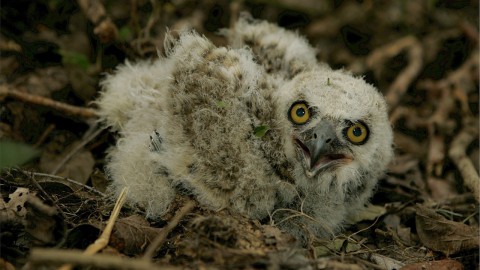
188,121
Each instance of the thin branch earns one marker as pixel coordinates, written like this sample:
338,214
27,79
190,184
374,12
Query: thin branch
235,7
59,209
105,29
157,242
104,238
459,156
58,256
44,135
415,57
7,91
65,179
93,133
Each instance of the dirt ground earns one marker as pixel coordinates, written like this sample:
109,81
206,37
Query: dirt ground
422,55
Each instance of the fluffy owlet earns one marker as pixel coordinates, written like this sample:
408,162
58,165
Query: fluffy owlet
260,128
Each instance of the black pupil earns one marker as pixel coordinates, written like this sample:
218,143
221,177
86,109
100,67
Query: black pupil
357,132
300,112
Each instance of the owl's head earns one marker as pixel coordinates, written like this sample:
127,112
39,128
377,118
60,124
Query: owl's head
335,124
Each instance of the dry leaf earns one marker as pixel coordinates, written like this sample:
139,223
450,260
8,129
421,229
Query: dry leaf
404,234
78,167
440,234
371,212
42,221
14,209
132,234
336,246
25,208
386,262
99,180
274,236
441,189
436,265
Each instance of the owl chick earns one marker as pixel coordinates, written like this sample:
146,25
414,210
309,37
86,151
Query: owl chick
262,129
340,161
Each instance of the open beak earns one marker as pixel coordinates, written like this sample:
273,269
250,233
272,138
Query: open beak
319,147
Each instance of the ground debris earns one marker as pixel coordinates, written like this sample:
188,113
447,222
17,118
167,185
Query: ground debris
422,55
440,234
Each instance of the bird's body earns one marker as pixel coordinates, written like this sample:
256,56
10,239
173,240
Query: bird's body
256,129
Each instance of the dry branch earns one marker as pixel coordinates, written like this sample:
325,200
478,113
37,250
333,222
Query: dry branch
90,136
415,57
104,238
94,10
459,156
189,205
58,256
7,91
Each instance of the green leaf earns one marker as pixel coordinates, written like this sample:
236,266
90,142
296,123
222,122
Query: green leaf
15,153
125,33
260,131
75,58
221,104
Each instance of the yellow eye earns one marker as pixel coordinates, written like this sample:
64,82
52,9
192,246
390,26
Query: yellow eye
299,113
357,133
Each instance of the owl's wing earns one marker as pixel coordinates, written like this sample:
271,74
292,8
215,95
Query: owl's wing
129,87
280,51
215,93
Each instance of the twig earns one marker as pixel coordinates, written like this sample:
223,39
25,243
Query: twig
154,16
399,87
66,179
467,72
102,241
144,35
7,91
235,7
104,261
415,56
38,204
157,242
105,29
93,133
470,31
349,13
64,217
104,238
44,135
458,154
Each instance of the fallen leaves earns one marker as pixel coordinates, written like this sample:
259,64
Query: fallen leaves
440,234
337,245
26,209
78,167
131,235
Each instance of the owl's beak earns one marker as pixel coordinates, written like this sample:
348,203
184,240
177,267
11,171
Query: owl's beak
320,149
